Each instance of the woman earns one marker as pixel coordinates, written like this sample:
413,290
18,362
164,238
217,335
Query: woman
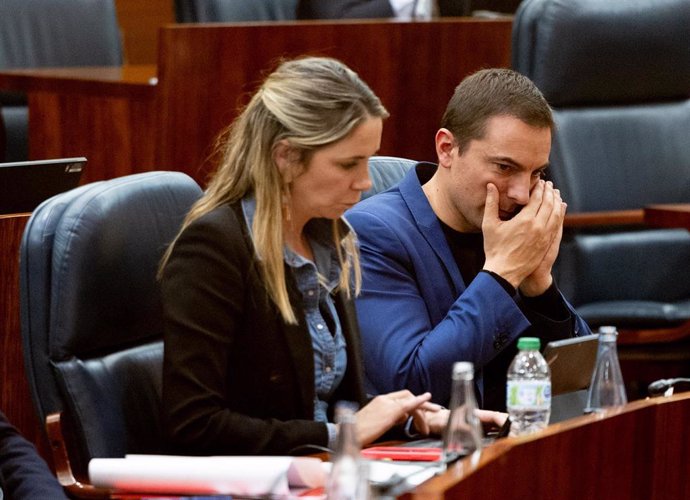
261,335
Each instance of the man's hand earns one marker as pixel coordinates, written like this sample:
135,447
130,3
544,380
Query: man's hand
522,250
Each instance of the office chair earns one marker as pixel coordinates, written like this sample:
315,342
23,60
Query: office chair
618,77
215,11
91,321
386,172
53,33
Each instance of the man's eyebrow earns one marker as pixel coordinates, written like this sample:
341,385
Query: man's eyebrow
508,160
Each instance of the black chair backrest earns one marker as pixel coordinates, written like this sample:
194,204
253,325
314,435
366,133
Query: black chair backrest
618,76
90,314
214,11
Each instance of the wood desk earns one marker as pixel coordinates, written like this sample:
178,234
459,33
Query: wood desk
638,452
672,215
105,114
124,120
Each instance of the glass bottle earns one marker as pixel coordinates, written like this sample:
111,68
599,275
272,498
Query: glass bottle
348,479
463,433
528,396
606,388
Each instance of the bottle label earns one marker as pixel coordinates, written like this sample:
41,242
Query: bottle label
529,395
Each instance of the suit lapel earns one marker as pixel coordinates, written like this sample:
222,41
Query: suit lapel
427,222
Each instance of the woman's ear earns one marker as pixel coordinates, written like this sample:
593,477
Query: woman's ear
284,158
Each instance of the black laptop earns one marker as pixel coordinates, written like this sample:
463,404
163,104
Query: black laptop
24,185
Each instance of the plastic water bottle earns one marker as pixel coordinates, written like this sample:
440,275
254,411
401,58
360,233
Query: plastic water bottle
349,477
529,389
607,387
463,433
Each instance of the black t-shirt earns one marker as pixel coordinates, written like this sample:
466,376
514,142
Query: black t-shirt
468,252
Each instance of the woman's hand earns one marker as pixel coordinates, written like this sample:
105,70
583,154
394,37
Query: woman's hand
387,410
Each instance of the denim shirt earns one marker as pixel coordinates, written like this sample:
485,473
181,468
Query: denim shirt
316,281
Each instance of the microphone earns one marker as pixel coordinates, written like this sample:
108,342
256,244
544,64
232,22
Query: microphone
658,387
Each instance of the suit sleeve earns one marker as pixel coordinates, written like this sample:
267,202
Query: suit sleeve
25,475
204,294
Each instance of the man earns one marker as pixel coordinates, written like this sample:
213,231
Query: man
456,259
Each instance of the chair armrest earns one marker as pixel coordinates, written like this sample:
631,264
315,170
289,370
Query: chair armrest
63,467
671,215
654,335
612,218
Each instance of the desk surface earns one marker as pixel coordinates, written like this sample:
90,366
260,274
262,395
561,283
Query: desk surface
133,81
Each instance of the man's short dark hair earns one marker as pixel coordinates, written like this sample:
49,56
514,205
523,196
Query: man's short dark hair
494,92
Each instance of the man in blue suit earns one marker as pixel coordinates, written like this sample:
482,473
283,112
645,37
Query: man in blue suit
456,259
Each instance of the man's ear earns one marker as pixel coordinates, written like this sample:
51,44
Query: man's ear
445,142
284,158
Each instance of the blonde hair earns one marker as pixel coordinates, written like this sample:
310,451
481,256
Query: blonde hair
310,103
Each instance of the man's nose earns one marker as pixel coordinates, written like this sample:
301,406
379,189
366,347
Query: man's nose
519,188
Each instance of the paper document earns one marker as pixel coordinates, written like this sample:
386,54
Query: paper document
208,475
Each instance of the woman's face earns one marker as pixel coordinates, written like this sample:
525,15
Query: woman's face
336,175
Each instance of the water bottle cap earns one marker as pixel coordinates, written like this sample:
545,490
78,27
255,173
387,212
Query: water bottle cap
463,370
608,330
529,344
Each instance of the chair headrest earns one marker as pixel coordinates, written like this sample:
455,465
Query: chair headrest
621,51
106,250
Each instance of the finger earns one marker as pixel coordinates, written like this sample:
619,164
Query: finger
412,403
491,204
535,199
433,407
420,422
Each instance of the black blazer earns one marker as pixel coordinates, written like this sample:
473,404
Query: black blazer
237,379
23,473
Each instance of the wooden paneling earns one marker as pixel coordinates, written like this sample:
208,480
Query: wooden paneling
140,21
15,398
206,72
637,452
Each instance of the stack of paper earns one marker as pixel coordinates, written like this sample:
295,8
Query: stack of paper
235,475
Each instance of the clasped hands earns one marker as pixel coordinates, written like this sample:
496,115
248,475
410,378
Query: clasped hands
387,410
522,250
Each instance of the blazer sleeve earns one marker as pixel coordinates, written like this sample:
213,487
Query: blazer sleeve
206,303
25,475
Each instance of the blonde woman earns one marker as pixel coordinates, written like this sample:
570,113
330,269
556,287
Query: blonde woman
261,336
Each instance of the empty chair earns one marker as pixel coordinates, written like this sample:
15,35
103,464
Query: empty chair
210,11
386,172
41,33
90,315
618,77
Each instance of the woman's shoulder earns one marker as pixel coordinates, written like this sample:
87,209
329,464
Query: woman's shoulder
223,226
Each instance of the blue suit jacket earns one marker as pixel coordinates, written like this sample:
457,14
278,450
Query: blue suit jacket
417,316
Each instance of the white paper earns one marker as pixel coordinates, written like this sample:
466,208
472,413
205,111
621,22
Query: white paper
207,475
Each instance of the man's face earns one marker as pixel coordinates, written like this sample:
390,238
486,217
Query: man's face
512,155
